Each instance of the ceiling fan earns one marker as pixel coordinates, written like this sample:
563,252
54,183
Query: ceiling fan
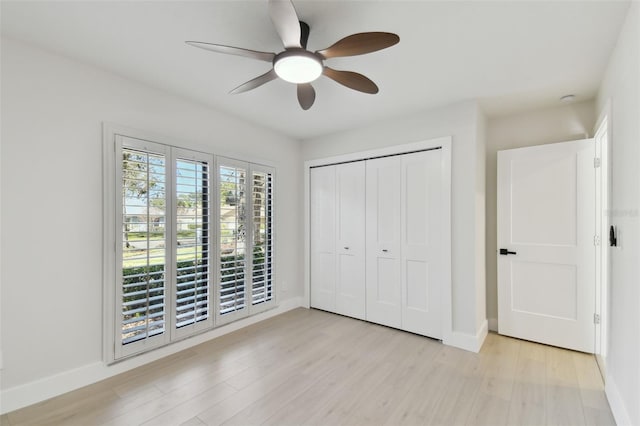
300,66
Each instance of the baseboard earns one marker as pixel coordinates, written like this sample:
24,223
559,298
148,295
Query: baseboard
493,324
468,342
620,413
39,390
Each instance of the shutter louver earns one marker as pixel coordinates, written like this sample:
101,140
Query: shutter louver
193,245
143,245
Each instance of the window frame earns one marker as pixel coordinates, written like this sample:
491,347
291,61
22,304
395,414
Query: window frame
112,218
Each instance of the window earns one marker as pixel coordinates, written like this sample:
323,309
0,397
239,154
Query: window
262,198
181,265
245,238
233,238
143,253
192,231
193,251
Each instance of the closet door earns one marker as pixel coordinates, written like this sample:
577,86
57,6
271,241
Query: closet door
421,186
323,237
350,239
383,262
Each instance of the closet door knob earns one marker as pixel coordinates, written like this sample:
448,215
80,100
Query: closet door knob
346,248
385,250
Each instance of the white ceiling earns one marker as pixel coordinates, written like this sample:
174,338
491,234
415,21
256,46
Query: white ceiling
511,55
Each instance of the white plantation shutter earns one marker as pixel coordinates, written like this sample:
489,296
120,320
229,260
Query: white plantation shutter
246,239
193,272
193,242
232,186
262,224
142,280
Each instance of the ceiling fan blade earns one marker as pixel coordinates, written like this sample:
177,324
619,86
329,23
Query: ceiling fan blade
230,50
285,19
306,95
352,80
256,82
359,44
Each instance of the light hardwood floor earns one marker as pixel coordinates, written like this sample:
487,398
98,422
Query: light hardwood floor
312,367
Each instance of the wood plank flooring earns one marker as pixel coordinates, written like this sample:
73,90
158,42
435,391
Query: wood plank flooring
312,367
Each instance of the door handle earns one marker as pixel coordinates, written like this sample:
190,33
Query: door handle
346,248
385,250
613,240
505,252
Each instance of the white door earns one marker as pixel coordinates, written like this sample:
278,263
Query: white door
323,238
350,239
337,238
404,270
383,264
546,214
421,191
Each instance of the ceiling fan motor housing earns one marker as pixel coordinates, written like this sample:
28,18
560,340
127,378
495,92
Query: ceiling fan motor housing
297,65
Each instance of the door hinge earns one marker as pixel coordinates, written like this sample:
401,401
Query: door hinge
596,240
596,163
596,319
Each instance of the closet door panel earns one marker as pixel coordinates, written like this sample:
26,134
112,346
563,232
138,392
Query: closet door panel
350,291
420,229
386,290
383,241
417,284
350,239
323,241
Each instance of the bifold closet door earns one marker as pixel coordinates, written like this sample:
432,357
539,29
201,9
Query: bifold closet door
338,239
421,261
404,272
323,238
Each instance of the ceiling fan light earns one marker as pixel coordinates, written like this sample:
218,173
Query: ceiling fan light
298,67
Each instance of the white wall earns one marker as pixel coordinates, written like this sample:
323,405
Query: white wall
622,87
549,125
52,110
460,121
